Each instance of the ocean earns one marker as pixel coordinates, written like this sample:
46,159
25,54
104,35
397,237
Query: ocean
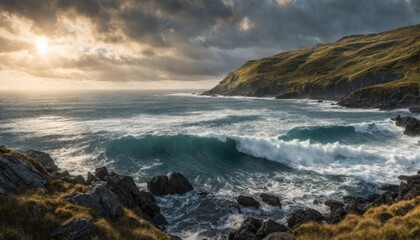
300,150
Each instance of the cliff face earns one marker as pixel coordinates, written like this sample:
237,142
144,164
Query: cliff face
387,62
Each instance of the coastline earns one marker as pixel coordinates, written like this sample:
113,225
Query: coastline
52,182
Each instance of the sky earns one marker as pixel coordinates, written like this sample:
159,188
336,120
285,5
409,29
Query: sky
170,44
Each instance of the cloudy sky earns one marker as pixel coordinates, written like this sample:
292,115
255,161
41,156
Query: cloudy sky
170,43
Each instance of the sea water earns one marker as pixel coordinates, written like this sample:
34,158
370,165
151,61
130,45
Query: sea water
300,150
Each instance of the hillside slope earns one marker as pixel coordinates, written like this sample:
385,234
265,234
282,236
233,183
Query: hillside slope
375,70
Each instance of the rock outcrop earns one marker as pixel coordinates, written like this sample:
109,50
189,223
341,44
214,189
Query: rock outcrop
248,201
76,229
270,199
300,216
411,125
16,173
414,109
253,228
174,183
43,158
100,199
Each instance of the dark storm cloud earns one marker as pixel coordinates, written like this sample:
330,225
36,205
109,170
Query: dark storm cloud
211,37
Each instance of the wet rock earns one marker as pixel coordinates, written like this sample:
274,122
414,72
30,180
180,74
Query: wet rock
44,159
101,173
301,216
102,200
179,184
251,224
333,204
390,187
411,124
248,228
280,236
16,173
248,201
76,229
244,234
337,212
415,109
270,199
91,178
175,183
269,227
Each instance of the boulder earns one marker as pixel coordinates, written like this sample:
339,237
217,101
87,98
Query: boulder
16,173
269,227
251,224
248,228
270,199
248,201
101,173
91,178
76,229
414,109
411,124
175,183
244,234
300,216
102,200
280,236
130,196
44,159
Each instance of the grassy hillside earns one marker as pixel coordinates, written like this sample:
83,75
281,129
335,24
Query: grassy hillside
400,220
385,62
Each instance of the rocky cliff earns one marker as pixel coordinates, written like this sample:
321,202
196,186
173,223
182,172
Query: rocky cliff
376,70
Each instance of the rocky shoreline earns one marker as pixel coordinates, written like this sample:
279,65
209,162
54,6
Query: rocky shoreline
108,195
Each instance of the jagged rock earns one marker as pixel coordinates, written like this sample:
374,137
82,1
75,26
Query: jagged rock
390,187
102,200
270,199
415,109
130,196
101,173
280,236
301,216
248,201
244,234
43,158
333,204
269,227
91,178
248,228
175,183
251,224
16,173
76,229
411,124
337,212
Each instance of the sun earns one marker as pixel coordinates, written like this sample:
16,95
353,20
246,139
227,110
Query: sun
42,45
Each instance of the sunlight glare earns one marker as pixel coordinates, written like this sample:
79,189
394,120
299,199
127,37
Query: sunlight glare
42,46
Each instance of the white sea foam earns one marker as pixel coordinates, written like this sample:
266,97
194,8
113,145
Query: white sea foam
331,158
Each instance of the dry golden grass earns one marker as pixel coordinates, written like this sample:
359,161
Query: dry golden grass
388,222
34,214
